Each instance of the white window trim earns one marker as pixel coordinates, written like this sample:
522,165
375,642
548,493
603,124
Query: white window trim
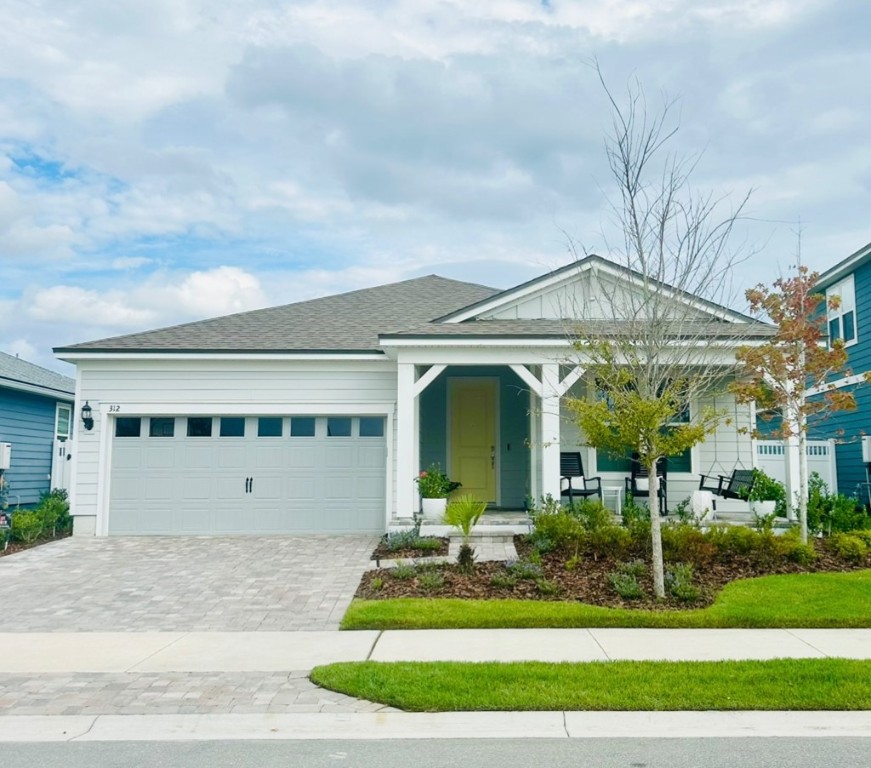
69,409
846,290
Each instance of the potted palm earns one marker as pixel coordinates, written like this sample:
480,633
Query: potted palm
434,487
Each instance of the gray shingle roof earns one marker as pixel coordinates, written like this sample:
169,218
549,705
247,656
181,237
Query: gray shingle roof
348,322
565,328
14,371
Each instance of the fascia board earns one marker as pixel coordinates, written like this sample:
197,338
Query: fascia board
83,355
36,389
844,268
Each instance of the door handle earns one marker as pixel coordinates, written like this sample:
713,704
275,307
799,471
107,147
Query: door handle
492,457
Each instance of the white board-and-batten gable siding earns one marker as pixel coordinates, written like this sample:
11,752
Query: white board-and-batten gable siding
216,387
589,295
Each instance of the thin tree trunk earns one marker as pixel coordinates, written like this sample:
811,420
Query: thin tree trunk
655,532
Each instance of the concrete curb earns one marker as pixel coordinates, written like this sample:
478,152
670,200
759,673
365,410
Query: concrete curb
446,725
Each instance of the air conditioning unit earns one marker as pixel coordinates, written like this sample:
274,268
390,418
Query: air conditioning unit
5,455
866,449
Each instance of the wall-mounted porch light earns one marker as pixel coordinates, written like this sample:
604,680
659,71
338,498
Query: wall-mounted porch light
87,417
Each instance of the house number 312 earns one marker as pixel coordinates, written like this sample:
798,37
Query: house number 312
114,408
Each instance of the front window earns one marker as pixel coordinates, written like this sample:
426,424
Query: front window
842,318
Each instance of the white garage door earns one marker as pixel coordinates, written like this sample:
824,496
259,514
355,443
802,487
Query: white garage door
255,474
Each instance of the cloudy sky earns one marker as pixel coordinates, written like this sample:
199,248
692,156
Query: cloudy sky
169,160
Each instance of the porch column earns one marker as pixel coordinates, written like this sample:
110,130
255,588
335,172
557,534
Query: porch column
550,430
406,450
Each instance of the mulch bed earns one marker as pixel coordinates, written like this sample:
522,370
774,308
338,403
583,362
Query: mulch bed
588,581
17,546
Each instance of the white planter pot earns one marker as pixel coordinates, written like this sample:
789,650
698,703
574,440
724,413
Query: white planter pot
763,508
434,509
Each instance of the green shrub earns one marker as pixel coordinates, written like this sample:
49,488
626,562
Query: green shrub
403,571
565,531
684,542
766,488
542,543
625,579
849,547
592,514
411,539
503,580
733,540
54,509
523,569
430,580
377,583
546,587
679,582
609,541
27,526
626,585
573,562
833,514
790,546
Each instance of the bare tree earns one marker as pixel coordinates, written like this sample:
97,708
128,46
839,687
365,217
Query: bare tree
657,341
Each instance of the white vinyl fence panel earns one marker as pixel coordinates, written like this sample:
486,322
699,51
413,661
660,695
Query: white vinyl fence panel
771,457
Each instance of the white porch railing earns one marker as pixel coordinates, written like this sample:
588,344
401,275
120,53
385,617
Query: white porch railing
771,457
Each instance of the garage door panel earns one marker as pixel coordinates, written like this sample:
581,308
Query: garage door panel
199,485
197,456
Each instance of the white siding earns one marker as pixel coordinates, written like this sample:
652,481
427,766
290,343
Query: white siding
214,387
721,452
588,296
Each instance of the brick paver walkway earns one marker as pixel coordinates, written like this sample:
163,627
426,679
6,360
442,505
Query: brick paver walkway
171,693
242,583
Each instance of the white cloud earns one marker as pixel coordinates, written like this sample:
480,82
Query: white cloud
219,291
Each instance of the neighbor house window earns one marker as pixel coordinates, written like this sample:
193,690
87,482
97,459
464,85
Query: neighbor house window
64,418
842,319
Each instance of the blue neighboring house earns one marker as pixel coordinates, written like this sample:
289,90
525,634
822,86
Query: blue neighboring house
850,279
36,408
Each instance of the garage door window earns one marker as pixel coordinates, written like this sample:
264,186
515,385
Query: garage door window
269,426
161,427
199,426
232,426
302,426
127,426
371,426
338,427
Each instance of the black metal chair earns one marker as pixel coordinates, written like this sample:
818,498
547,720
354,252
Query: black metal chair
572,480
638,482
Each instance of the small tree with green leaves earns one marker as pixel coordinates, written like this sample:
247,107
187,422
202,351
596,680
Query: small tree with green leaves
793,371
658,347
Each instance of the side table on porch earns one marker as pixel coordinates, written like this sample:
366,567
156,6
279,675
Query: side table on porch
613,496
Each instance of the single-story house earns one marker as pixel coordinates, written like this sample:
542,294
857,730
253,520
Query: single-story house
318,416
36,407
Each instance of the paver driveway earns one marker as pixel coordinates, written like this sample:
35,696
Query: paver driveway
182,583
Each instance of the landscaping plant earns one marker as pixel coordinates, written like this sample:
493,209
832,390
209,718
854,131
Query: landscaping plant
432,483
463,513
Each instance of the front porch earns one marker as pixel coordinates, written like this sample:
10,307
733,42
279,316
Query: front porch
499,430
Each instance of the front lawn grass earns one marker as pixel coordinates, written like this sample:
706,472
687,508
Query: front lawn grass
795,600
783,684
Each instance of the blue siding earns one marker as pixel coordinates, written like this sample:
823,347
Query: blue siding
848,427
27,421
513,427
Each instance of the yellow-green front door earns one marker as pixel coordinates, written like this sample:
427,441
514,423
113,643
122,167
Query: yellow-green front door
473,408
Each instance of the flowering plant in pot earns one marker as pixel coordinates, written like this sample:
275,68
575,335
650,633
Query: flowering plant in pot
434,486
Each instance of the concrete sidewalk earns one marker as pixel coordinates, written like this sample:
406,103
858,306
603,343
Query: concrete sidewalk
155,652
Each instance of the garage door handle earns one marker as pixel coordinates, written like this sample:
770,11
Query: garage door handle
249,481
